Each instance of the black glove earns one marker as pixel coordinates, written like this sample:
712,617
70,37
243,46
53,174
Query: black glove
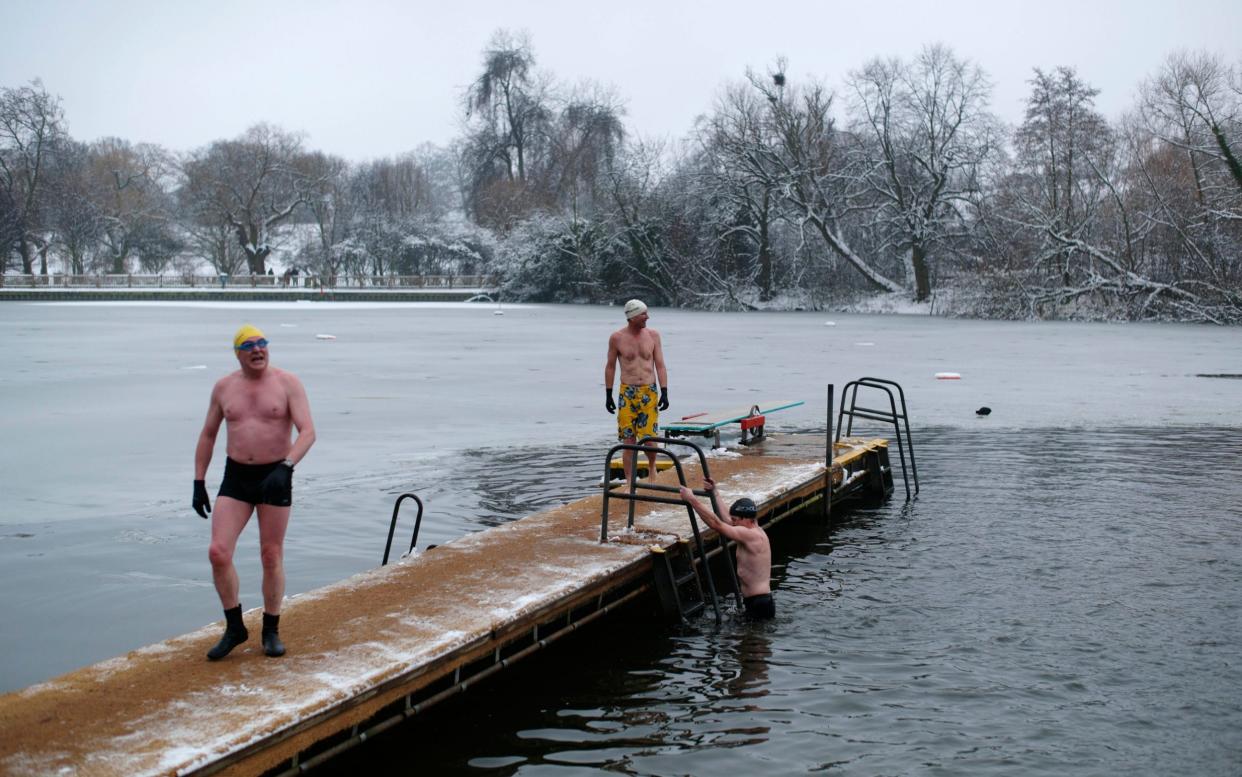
663,400
609,405
278,484
200,501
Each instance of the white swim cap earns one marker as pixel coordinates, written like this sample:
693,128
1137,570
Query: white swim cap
634,307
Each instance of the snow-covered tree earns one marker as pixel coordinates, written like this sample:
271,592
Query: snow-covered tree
740,184
252,184
32,131
1195,103
507,129
73,208
921,132
133,205
803,156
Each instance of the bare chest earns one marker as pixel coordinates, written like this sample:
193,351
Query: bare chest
636,348
266,401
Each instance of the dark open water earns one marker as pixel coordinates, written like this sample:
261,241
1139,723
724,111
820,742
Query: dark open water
1062,598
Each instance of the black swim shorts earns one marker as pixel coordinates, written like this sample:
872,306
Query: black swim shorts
244,482
760,607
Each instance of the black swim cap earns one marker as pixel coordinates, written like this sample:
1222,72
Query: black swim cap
744,508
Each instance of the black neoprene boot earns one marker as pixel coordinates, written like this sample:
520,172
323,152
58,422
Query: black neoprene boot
234,634
272,645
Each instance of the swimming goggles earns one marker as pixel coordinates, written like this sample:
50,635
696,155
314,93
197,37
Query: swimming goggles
250,345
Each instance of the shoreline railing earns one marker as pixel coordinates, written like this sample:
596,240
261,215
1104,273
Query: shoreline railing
248,281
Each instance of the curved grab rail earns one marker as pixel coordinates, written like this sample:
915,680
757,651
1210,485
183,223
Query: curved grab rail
633,496
642,445
898,420
392,526
905,421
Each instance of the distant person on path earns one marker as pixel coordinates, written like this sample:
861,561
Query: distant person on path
754,553
260,406
638,350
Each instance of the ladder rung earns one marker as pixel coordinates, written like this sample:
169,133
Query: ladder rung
686,578
693,609
885,413
884,417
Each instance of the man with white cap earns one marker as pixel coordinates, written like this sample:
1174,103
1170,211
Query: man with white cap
638,350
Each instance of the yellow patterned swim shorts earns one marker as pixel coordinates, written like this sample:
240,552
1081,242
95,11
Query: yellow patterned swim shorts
636,412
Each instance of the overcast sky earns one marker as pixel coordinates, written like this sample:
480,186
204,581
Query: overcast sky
366,78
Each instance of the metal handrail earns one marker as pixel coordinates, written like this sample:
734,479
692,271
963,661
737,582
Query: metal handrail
829,452
891,416
905,418
247,280
724,542
633,496
392,526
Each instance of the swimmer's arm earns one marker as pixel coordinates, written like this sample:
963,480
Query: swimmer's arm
657,354
610,367
207,437
710,485
300,414
706,514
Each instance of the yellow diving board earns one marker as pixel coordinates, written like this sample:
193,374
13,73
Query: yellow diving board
617,466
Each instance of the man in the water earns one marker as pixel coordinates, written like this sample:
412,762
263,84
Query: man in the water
260,406
754,554
638,350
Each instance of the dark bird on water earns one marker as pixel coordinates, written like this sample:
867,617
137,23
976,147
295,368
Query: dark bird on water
984,411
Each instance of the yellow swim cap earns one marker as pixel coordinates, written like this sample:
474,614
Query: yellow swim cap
245,333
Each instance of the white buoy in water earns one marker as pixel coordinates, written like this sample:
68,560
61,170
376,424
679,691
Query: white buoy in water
830,323
325,337
948,376
498,312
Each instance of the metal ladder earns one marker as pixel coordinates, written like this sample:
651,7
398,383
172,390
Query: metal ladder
678,572
677,582
899,420
392,526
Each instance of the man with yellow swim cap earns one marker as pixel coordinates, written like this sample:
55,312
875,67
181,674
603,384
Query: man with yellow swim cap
260,406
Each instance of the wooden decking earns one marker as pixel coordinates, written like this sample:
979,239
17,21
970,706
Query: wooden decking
377,646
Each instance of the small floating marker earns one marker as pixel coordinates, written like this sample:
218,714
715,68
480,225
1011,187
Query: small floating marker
288,325
985,410
325,337
830,323
195,367
498,312
948,376
864,345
